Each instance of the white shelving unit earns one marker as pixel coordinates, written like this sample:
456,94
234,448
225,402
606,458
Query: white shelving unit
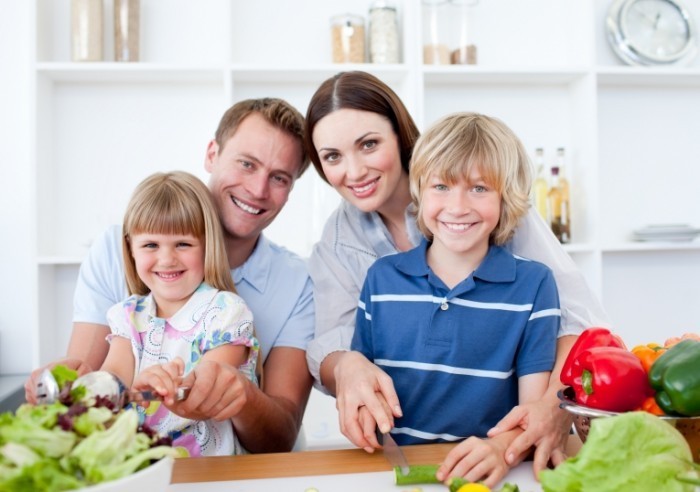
544,67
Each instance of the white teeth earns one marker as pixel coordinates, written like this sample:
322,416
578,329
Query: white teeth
457,227
168,275
362,189
246,207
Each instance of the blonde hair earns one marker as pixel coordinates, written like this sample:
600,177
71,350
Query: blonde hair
176,203
455,144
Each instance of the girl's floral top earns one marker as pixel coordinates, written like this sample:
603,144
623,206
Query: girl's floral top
209,319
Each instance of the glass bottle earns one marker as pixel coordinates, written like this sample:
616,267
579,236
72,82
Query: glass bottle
348,38
126,30
559,209
463,46
435,30
540,187
565,197
383,33
86,30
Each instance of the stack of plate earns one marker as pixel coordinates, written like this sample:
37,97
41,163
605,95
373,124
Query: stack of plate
666,232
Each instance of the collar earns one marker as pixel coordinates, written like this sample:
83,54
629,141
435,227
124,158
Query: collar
379,237
182,320
497,266
256,269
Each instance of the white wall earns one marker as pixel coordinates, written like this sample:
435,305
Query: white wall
16,231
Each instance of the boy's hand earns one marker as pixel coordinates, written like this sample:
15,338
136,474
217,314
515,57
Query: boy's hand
476,460
164,379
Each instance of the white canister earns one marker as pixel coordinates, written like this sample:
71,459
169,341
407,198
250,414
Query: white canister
86,30
383,33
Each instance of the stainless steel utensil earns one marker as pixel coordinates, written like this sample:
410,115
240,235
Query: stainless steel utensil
100,383
393,452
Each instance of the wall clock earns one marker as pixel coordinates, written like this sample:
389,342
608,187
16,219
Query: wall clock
651,32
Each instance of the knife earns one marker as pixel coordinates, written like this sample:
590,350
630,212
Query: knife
393,452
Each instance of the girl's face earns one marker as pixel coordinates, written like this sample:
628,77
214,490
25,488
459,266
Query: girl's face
359,153
461,216
171,266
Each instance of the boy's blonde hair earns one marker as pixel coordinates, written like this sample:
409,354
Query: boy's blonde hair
455,144
176,203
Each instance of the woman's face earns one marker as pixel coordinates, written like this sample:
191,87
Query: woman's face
360,156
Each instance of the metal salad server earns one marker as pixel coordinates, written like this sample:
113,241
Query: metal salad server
100,383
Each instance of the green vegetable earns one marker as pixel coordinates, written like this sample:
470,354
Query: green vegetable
63,375
454,483
416,474
633,451
675,376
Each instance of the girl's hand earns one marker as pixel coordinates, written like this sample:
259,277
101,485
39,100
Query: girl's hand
362,385
164,379
476,460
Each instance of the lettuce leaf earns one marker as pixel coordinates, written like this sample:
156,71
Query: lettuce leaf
631,451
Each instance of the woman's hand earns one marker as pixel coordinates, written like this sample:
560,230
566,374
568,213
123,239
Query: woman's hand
476,460
545,426
80,366
365,398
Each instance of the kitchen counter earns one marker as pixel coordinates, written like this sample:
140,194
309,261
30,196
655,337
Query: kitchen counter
331,470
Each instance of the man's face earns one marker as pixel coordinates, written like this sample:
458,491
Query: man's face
252,175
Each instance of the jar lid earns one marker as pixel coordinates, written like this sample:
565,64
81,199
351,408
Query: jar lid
382,4
349,19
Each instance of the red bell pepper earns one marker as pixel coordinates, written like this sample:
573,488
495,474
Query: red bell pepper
609,378
589,338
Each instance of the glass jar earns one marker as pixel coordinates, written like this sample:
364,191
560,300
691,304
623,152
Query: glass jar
435,32
86,30
348,38
463,47
383,33
126,30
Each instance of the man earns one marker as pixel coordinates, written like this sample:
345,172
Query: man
253,161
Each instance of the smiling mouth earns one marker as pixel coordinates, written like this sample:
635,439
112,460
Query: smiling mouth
457,227
168,275
365,187
245,207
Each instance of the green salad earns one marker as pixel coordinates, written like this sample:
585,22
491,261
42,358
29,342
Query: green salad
72,444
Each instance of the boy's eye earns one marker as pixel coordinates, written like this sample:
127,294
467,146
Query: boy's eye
480,189
440,187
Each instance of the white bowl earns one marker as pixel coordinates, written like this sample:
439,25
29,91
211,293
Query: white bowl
154,478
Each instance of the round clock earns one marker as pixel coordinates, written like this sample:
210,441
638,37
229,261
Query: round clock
651,32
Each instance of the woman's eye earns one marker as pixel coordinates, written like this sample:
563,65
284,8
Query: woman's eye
369,144
331,157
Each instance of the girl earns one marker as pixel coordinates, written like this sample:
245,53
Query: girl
459,323
360,137
183,308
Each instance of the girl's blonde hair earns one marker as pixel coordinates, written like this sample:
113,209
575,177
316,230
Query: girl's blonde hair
176,203
455,144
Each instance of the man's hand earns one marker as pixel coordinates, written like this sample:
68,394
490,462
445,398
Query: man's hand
361,384
30,385
545,426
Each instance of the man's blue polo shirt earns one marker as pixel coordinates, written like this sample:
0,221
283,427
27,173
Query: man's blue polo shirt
455,355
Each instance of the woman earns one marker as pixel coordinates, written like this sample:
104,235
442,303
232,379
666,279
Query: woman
360,137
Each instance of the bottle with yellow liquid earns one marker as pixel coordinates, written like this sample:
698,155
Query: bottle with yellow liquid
540,187
559,207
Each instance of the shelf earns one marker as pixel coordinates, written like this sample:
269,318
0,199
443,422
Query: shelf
314,74
127,72
655,246
59,261
466,74
648,76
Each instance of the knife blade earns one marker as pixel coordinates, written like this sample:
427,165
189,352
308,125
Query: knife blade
393,452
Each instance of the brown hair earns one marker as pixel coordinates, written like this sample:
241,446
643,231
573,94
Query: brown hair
278,112
176,203
458,142
365,92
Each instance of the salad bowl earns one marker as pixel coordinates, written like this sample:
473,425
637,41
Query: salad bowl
154,478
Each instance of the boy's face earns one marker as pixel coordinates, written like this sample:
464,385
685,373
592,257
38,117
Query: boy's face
252,175
462,215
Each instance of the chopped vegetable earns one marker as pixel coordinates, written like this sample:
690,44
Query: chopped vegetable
474,487
416,474
648,354
67,445
631,451
676,378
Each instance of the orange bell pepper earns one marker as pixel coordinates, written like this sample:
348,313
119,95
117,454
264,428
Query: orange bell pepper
648,353
650,405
